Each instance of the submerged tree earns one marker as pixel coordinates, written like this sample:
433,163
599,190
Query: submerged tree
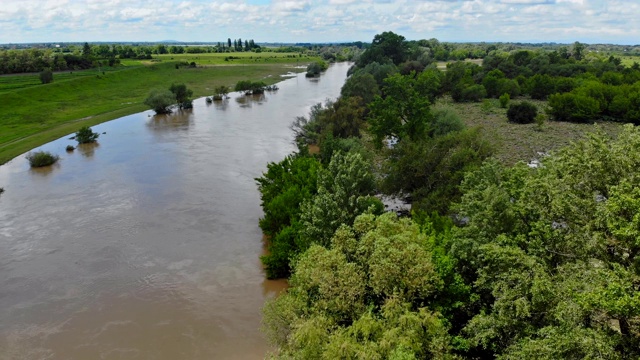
160,101
85,135
182,95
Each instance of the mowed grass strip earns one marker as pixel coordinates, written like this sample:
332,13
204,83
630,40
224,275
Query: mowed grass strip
32,116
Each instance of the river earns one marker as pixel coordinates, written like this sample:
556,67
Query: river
146,245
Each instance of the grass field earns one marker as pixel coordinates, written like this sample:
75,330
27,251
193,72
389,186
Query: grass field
10,83
33,115
233,58
522,142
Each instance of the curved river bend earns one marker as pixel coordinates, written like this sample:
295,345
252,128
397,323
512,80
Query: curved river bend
146,246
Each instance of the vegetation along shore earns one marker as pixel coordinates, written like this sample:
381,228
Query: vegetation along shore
522,239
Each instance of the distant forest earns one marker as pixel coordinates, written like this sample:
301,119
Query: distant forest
23,58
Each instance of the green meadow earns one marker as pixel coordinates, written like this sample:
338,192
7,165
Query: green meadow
33,114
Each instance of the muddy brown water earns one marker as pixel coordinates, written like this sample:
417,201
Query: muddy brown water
146,245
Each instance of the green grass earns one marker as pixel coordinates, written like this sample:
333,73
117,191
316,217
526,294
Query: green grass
33,115
10,83
522,142
244,58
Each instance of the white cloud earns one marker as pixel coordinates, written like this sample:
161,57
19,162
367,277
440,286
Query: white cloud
327,20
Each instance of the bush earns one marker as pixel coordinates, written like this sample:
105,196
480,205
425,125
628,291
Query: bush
160,101
315,68
85,136
46,76
70,148
474,93
522,113
573,107
445,121
504,100
41,158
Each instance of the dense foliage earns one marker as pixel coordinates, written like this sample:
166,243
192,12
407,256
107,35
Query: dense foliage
183,95
315,68
495,262
160,101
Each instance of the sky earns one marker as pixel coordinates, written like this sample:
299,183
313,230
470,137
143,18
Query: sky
290,21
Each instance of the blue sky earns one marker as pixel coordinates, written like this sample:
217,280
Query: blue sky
589,21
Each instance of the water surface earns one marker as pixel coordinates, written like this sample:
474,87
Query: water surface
146,245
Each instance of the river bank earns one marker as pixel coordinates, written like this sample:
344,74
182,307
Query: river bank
36,115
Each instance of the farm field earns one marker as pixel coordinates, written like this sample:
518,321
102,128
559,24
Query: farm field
34,114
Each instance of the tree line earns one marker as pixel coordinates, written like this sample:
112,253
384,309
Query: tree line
494,261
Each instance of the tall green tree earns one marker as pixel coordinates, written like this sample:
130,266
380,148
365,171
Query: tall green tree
403,110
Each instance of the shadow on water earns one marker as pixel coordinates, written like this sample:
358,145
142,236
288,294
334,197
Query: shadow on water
88,150
175,121
249,100
45,170
221,104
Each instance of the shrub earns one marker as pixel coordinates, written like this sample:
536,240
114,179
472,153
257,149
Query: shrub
445,120
46,76
41,158
70,148
474,93
315,68
573,107
487,106
522,113
504,100
221,91
539,121
160,101
85,136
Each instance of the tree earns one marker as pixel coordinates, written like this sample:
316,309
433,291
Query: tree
315,68
385,47
403,112
362,297
430,170
160,101
182,95
229,42
46,76
283,188
578,50
362,85
85,135
86,51
345,190
531,243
